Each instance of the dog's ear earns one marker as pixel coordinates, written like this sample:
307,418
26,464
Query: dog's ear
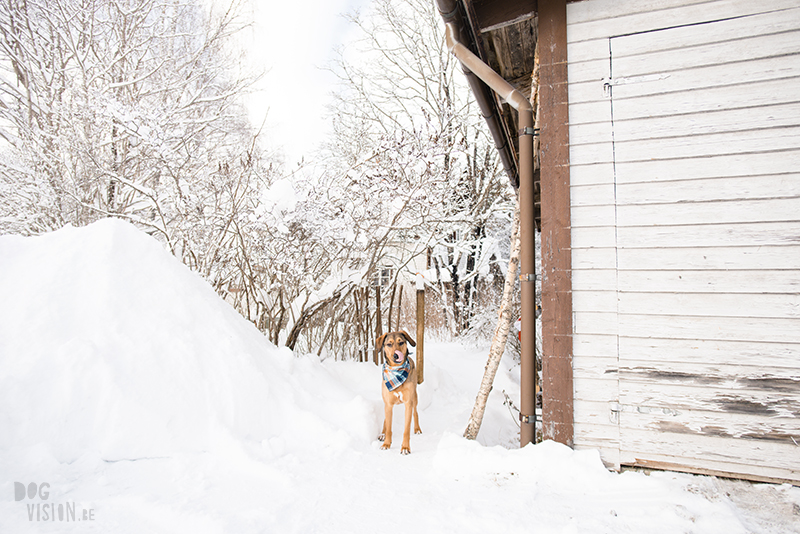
379,341
408,338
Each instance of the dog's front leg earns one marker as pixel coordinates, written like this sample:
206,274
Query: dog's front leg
406,447
383,431
387,426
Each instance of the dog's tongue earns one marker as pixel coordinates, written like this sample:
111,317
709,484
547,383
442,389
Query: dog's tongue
398,356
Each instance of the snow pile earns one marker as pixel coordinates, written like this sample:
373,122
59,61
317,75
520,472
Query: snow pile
132,399
109,344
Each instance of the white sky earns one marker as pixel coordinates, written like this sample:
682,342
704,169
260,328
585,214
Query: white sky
293,40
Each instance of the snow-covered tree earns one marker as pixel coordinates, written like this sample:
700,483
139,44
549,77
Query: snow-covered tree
405,128
132,109
409,170
123,108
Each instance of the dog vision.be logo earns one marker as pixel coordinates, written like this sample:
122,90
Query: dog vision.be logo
42,510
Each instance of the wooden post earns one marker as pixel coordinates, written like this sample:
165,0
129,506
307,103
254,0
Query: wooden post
368,327
399,307
420,328
391,305
557,379
378,323
357,319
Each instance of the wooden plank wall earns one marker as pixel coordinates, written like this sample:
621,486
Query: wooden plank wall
685,195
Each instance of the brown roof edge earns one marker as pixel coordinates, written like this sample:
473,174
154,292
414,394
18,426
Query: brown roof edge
452,11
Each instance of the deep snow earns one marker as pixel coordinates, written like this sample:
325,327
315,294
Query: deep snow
133,396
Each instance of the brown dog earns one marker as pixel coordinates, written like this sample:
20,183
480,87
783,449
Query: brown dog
399,386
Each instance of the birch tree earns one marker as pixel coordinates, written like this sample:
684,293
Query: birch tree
498,347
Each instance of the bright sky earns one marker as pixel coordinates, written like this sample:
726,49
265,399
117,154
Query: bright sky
294,40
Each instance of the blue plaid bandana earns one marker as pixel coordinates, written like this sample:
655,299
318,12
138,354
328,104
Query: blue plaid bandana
394,377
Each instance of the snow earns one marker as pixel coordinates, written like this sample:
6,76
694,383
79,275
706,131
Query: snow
133,396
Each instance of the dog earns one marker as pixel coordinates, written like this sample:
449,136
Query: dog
399,385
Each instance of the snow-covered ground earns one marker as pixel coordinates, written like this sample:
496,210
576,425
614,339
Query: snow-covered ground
132,399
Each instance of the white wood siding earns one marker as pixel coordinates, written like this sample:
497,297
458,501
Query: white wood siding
685,192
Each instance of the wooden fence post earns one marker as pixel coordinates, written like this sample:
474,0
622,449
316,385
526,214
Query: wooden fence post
378,325
391,305
368,327
420,328
399,307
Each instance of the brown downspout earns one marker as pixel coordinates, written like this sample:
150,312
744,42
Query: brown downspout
527,225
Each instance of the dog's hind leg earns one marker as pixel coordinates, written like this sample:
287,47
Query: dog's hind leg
417,429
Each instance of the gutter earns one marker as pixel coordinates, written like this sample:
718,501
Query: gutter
517,100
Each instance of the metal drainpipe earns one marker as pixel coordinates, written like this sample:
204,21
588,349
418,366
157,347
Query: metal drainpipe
527,226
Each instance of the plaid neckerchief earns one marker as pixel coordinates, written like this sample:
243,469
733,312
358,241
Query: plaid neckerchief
394,377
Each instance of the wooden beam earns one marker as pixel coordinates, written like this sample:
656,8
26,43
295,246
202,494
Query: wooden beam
669,466
557,387
493,14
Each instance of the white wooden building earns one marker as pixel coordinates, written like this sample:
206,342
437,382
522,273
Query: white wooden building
668,195
684,155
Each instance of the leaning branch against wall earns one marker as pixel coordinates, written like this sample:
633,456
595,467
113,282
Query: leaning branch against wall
500,335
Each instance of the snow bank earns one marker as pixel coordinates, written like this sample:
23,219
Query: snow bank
109,344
